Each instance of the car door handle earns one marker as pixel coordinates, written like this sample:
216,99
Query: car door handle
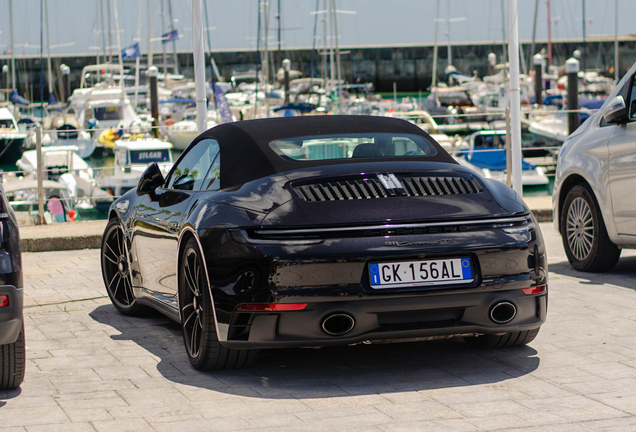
173,226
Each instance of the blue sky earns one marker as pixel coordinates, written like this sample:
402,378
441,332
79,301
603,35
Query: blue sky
384,22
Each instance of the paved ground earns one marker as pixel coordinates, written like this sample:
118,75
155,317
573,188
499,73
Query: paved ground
90,369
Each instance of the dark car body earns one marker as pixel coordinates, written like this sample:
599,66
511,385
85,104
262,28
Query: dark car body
11,299
276,231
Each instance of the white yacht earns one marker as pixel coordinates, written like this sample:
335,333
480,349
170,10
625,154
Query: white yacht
22,196
64,165
11,138
550,126
105,104
183,132
133,154
64,130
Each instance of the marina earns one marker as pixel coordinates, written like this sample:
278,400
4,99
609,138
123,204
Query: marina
122,102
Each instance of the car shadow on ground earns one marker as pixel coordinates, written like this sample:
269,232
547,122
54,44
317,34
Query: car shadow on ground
623,274
326,372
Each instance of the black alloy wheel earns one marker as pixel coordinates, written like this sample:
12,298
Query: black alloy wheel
12,362
203,348
583,233
193,316
116,270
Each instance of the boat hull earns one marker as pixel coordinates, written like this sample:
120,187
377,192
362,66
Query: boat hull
11,149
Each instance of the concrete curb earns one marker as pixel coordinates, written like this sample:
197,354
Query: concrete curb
543,215
60,243
62,236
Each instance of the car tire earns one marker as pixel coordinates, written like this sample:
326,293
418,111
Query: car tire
116,270
198,324
583,233
506,340
12,362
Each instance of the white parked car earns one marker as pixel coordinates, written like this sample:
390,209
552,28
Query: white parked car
594,198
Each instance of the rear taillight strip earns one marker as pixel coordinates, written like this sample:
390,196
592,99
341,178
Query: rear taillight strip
304,231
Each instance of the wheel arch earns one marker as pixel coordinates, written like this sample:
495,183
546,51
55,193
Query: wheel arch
187,233
573,180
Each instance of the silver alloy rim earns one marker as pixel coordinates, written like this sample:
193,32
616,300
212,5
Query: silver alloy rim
115,262
580,228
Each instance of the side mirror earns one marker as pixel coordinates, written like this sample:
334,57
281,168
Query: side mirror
617,111
150,180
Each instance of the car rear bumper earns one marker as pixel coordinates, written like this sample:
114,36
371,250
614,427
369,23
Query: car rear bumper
382,319
10,315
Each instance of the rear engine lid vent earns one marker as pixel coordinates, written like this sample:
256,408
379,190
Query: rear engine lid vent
386,186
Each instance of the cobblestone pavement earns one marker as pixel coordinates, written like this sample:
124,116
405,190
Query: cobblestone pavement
91,369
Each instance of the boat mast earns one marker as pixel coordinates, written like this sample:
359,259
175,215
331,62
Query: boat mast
138,59
96,31
515,103
48,48
174,42
323,75
265,53
313,46
534,27
151,30
549,35
103,32
279,54
41,55
14,85
339,84
332,69
258,54
503,34
199,65
434,81
163,45
110,36
584,43
448,24
121,60
616,76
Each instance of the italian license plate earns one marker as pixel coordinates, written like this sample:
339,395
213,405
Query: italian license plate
418,273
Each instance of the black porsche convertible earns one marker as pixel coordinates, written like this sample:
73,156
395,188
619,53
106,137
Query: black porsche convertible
324,230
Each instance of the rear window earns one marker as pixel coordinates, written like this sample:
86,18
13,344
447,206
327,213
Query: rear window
353,146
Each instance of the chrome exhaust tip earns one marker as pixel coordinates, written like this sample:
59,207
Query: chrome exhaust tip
338,324
503,312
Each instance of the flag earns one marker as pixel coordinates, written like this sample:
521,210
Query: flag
221,103
170,36
131,52
16,99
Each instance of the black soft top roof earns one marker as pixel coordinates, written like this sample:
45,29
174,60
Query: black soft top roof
246,154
